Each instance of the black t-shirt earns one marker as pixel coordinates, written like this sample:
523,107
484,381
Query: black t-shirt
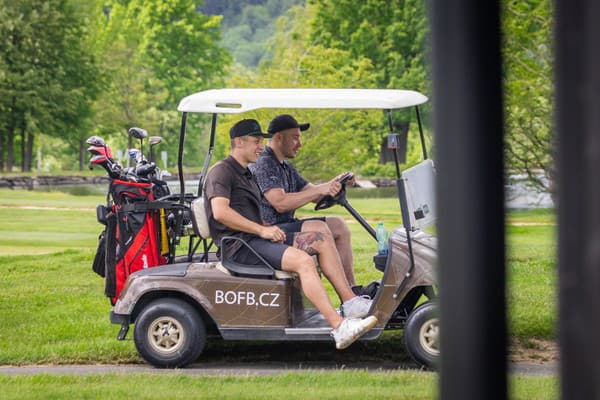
229,179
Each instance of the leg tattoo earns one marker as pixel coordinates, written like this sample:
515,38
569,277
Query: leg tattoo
305,241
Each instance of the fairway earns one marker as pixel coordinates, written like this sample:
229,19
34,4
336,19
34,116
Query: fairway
54,303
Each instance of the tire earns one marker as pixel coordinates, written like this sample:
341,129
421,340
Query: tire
169,333
421,335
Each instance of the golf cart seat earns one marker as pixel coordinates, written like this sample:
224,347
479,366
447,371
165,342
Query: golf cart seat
281,275
201,228
199,218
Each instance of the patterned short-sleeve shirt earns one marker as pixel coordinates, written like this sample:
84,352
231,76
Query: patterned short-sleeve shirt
270,174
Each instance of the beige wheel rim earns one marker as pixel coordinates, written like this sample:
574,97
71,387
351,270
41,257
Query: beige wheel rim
429,337
166,335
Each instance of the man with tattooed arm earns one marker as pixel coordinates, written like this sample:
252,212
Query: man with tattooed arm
232,201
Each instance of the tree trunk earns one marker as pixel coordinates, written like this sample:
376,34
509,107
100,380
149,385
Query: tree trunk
10,137
23,142
10,156
81,153
29,151
2,147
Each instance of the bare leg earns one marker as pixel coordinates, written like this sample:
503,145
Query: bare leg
324,247
341,234
298,261
338,229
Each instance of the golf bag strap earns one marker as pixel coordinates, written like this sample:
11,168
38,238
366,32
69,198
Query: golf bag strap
111,256
149,206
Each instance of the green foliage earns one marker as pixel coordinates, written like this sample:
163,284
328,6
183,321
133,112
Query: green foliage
337,140
47,73
529,99
392,35
154,53
248,26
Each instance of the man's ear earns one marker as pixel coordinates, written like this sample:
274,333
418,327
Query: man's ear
235,142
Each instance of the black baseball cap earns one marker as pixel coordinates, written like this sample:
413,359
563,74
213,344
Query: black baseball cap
247,127
285,121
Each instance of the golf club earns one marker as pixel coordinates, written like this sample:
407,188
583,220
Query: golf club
98,150
97,141
153,141
105,163
140,134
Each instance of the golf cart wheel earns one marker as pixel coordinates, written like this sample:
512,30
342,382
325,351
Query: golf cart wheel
169,333
422,335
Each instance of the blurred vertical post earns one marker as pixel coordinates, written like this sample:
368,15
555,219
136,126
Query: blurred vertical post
578,127
468,125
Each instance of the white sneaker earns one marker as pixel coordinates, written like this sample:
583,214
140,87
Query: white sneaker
356,307
351,329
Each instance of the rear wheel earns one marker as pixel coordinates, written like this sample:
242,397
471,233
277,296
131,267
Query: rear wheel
422,335
169,333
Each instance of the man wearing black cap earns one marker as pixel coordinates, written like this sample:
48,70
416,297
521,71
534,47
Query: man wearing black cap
285,190
232,200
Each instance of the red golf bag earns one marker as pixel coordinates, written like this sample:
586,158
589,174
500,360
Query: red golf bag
133,233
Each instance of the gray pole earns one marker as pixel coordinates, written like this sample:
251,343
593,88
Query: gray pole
467,98
578,125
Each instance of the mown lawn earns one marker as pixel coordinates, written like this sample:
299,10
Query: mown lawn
53,310
413,385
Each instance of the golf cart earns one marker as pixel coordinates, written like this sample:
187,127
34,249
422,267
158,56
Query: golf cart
175,306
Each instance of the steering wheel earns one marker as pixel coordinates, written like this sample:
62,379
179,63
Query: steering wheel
329,201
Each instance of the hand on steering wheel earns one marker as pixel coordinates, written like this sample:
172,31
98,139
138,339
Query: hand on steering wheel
329,201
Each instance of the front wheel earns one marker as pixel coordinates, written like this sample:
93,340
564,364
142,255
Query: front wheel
422,335
169,333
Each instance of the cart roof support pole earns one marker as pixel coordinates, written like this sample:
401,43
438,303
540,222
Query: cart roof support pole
180,157
421,135
211,147
403,210
468,125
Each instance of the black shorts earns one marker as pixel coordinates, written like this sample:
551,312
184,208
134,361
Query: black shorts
296,226
272,252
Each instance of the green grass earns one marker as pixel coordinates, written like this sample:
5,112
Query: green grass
532,281
38,231
54,305
53,310
308,385
31,198
64,226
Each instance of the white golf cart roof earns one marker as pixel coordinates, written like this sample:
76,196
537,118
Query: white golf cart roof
233,101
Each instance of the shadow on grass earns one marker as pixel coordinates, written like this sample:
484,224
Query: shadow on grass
387,351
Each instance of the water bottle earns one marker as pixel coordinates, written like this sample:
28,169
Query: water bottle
382,239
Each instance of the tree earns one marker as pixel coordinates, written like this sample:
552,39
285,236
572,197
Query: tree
299,63
154,53
392,34
47,80
528,86
248,26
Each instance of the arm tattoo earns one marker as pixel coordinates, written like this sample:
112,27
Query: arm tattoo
305,241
